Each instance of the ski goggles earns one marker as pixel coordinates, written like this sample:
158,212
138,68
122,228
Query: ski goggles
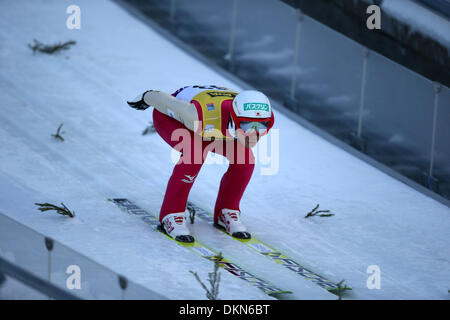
251,127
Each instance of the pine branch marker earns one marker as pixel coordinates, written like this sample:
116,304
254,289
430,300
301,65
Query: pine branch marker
150,129
341,289
58,134
315,212
213,279
50,49
63,210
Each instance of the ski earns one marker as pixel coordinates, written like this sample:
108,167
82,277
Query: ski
199,248
272,254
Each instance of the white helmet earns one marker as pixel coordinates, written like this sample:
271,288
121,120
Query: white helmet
252,104
251,113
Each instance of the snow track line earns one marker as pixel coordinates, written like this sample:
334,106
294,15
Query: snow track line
272,254
199,248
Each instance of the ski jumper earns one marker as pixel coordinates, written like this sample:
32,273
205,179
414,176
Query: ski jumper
213,105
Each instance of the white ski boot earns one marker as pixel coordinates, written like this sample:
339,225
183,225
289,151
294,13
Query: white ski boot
230,221
174,225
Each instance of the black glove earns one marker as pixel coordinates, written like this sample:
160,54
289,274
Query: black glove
140,103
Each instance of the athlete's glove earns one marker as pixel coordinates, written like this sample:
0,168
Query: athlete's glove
139,103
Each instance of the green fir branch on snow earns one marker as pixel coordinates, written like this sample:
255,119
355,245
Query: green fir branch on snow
191,210
341,289
50,49
213,278
149,129
58,134
314,212
63,210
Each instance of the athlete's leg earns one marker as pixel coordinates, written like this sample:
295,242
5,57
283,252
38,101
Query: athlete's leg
188,166
236,178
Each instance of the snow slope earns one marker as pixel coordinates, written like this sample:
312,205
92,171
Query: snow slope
378,220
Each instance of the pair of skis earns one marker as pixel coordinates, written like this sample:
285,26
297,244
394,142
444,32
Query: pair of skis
253,243
200,249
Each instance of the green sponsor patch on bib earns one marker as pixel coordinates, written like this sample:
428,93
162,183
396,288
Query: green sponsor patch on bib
256,106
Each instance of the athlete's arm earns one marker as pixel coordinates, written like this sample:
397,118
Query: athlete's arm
180,110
